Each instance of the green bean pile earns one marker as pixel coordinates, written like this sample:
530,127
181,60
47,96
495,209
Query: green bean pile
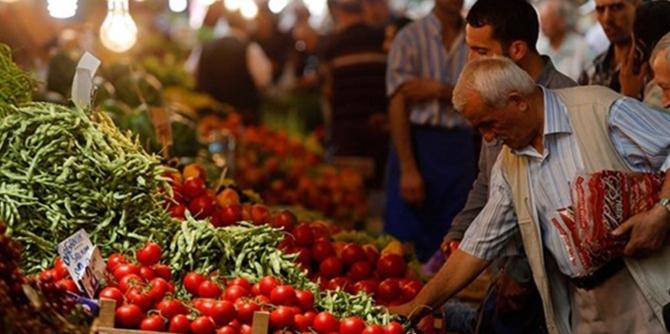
251,252
16,86
62,169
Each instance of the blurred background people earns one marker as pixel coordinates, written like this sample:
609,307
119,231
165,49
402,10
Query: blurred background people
559,40
660,65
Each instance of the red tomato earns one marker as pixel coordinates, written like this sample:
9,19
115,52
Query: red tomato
304,256
158,287
325,323
260,214
223,312
305,299
341,283
126,269
388,289
235,292
177,211
130,281
128,316
330,267
202,325
112,293
391,265
171,307
302,322
150,254
374,329
368,286
322,250
153,323
352,253
209,289
60,269
179,324
303,235
226,330
393,327
267,284
230,214
204,305
284,219
256,290
371,253
137,297
410,288
114,260
48,275
281,317
352,325
201,206
163,271
147,273
283,295
192,282
68,285
320,231
360,271
245,329
245,312
241,282
193,187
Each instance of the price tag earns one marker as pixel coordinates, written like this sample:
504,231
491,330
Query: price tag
84,262
163,128
82,84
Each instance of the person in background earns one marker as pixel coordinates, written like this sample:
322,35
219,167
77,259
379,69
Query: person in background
235,70
651,23
275,43
616,17
513,304
431,164
392,29
566,48
550,136
376,13
660,65
355,66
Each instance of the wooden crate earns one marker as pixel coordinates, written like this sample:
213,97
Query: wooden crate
104,323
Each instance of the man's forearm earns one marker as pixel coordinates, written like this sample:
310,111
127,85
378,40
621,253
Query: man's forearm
461,269
400,132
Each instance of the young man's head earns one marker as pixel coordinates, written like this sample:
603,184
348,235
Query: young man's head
616,17
660,65
494,95
508,28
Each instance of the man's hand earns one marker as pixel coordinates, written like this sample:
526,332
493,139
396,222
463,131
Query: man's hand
411,187
422,90
648,231
631,83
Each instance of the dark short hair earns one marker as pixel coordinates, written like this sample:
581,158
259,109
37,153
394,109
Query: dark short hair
511,20
652,21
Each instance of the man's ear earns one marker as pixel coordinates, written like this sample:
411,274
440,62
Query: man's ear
518,100
517,50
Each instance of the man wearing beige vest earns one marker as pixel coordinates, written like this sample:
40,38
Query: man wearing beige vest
550,136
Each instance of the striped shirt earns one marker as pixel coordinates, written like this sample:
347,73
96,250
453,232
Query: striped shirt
641,136
418,52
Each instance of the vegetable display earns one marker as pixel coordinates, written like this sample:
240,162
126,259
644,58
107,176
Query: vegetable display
62,169
16,86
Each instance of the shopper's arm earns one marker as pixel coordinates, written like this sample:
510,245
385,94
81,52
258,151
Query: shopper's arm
411,181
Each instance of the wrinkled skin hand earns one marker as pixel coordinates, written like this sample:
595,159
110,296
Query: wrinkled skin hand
648,231
421,90
412,188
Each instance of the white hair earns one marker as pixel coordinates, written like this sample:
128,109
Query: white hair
493,78
662,45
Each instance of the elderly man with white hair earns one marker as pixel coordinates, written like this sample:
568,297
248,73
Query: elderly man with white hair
660,65
550,137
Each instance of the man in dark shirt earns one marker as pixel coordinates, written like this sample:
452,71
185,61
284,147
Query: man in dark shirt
355,66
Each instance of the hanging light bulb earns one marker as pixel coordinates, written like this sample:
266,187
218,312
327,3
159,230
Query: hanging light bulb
232,5
276,6
62,9
118,32
178,6
248,9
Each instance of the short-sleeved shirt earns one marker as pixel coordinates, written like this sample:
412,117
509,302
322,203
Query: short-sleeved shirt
418,52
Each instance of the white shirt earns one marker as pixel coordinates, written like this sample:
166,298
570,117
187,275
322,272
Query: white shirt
572,57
